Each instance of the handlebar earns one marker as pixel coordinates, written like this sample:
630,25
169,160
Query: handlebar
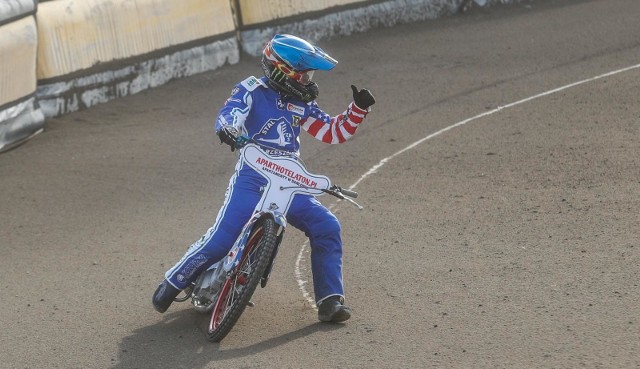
349,193
336,191
340,193
242,141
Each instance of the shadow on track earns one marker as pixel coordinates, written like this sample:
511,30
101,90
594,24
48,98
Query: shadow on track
179,341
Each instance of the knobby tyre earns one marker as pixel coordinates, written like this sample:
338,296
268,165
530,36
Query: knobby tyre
237,290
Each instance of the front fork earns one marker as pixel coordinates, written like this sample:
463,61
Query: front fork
235,254
232,259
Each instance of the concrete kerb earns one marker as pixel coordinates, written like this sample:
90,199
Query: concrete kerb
69,95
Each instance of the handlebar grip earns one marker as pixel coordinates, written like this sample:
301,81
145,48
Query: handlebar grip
348,193
242,141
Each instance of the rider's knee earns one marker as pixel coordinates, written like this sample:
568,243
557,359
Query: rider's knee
329,226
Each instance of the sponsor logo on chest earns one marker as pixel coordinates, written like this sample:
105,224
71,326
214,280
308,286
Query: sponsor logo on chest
295,108
268,126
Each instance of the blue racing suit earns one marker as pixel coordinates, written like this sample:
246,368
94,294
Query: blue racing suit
274,121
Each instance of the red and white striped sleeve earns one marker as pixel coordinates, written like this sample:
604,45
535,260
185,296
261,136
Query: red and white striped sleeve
336,129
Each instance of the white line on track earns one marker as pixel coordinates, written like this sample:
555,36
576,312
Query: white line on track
302,283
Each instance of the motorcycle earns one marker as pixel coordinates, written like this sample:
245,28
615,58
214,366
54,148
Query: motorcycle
225,289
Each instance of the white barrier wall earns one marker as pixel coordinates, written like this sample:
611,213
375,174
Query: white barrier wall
83,52
19,113
315,20
92,51
18,39
256,12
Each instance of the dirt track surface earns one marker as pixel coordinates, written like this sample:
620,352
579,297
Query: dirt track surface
511,241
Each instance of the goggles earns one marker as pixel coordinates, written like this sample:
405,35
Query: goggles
303,78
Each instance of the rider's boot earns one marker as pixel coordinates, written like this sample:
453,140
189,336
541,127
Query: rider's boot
164,295
333,309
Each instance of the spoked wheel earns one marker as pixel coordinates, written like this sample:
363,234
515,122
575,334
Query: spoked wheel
238,289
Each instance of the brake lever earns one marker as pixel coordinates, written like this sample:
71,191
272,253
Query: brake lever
360,207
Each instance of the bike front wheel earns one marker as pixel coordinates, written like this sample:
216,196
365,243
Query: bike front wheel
239,287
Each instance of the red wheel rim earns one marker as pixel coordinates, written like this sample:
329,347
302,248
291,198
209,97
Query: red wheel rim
223,300
221,306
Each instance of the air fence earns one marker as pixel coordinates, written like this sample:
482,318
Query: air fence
60,56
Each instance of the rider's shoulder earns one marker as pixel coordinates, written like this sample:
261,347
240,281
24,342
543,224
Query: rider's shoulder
252,83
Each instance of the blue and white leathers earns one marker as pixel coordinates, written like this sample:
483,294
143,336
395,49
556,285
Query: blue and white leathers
273,122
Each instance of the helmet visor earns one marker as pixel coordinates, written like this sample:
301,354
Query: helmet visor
304,78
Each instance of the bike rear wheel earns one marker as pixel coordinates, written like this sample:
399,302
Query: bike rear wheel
237,290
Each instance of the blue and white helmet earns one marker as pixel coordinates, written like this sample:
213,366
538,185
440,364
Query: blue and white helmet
289,62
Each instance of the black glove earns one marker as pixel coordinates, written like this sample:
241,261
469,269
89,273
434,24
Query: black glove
363,98
229,136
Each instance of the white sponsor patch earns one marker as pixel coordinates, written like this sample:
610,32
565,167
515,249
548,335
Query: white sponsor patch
295,108
251,83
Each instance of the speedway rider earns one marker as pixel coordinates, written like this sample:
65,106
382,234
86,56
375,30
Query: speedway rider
272,110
